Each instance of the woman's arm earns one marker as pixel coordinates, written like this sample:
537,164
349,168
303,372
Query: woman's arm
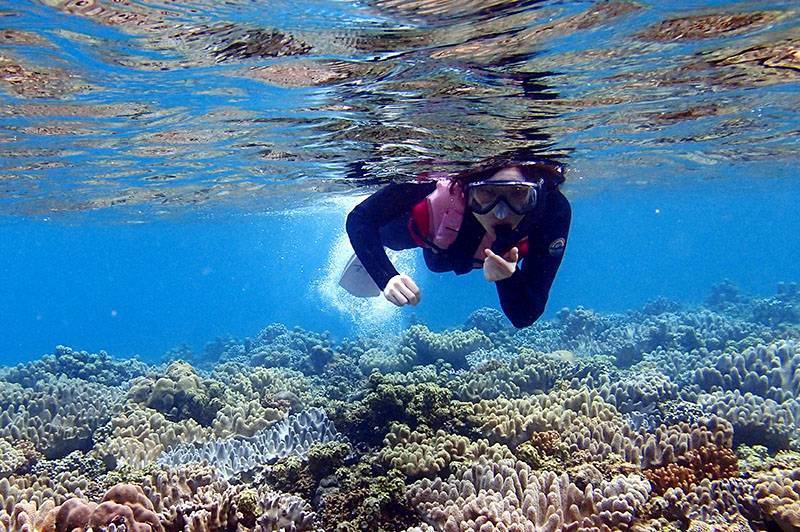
523,296
366,219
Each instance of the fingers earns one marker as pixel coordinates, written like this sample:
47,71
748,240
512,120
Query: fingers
402,290
407,294
512,255
409,289
394,296
496,267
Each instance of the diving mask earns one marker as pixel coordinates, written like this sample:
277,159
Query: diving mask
521,197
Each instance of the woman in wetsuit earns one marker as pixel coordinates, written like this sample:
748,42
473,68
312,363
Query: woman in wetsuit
507,217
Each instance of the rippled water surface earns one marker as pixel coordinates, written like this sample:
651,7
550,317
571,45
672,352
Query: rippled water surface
144,108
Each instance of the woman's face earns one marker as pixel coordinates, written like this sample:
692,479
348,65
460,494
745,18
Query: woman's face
501,214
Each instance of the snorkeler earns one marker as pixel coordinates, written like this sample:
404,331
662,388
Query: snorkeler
505,216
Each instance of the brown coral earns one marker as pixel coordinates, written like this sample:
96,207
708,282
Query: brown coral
706,462
670,476
712,462
124,504
545,441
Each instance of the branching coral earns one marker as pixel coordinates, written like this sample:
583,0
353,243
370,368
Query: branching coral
508,495
707,462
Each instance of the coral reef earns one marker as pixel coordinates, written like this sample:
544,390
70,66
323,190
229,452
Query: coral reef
385,401
779,499
291,436
663,418
58,415
420,453
99,368
124,505
452,346
771,371
179,394
365,496
277,346
508,495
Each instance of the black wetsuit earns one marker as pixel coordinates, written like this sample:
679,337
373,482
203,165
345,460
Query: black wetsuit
383,220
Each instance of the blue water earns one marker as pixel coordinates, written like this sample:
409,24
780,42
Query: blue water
156,191
144,288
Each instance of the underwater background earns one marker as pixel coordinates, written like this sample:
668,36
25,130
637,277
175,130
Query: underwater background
176,354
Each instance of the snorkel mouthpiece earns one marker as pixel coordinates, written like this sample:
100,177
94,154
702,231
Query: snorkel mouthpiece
504,238
501,210
503,231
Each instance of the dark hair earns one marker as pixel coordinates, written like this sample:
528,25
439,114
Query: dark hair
532,170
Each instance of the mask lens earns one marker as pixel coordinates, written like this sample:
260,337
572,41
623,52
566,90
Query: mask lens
519,197
484,195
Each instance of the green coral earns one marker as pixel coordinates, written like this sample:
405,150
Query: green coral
325,458
752,457
291,475
422,453
11,459
539,458
126,474
99,367
367,498
387,360
248,505
180,394
385,402
451,346
341,376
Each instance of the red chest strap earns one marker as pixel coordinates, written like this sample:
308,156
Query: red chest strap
523,247
419,225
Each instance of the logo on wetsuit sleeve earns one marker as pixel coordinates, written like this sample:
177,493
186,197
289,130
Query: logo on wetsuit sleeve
556,247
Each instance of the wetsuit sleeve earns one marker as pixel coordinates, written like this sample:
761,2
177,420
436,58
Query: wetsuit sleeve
523,296
366,219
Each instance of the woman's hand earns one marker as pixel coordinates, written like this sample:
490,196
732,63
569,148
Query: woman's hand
402,290
498,267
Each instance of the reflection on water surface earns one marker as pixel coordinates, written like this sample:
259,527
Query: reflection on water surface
156,106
